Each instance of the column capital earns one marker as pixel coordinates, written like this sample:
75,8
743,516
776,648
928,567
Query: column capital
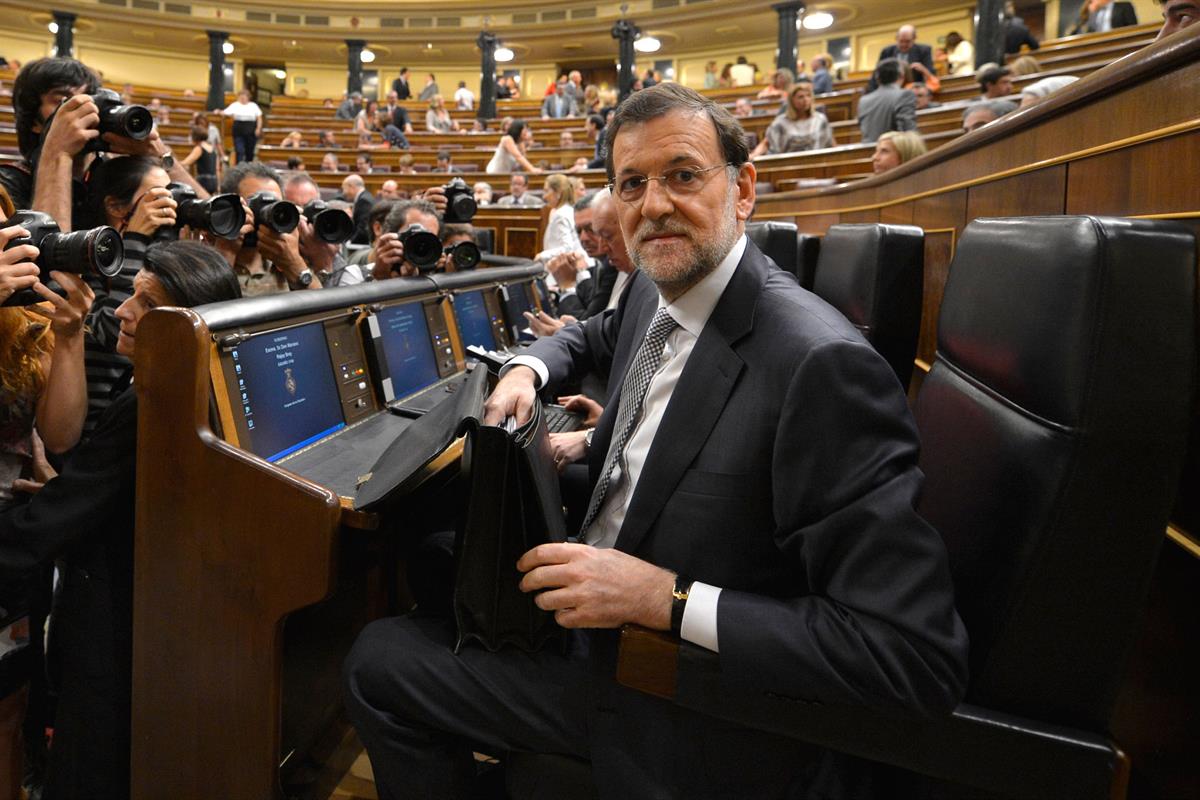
792,5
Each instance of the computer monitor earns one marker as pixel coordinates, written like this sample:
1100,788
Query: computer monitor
517,300
475,320
402,333
286,395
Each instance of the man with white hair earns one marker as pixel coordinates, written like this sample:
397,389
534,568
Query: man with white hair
907,50
354,191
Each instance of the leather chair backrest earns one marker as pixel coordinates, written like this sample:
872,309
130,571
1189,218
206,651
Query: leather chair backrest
1053,427
777,240
808,251
874,275
486,239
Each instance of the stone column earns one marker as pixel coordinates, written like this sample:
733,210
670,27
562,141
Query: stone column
785,55
485,109
216,69
354,48
64,40
989,32
625,32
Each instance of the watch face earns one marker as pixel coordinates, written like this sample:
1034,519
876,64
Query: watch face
305,278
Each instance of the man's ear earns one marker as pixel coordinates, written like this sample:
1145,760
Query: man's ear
745,189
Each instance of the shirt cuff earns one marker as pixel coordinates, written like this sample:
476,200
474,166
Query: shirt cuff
543,377
700,616
583,275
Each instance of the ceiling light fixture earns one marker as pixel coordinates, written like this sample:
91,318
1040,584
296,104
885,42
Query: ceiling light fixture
818,20
647,44
504,54
280,74
366,56
227,48
53,26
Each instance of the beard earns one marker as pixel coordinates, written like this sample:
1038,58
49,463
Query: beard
683,263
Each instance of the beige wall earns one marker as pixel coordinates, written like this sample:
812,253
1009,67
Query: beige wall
21,47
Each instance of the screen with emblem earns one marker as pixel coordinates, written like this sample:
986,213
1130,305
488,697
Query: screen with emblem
287,390
474,320
411,362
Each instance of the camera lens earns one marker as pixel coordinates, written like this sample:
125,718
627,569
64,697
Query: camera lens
282,217
422,248
136,121
333,226
465,255
98,250
464,207
225,215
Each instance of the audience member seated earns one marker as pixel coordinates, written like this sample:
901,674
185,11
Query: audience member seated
799,128
406,165
781,81
510,152
464,98
995,83
202,160
592,103
294,163
443,162
365,120
294,139
1025,65
742,108
741,73
389,260
923,95
363,164
437,118
821,79
350,107
162,114
1016,33
388,190
558,104
1099,16
327,139
960,54
519,194
329,163
895,148
483,193
1038,91
247,125
566,140
560,236
889,107
82,523
977,115
431,89
324,259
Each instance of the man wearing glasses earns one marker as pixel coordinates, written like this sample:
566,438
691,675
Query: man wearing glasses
755,478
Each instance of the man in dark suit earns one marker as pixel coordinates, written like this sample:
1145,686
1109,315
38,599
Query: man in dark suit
1104,15
906,50
890,107
354,191
400,85
752,441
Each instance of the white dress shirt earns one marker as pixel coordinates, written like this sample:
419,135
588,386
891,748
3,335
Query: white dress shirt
618,289
691,311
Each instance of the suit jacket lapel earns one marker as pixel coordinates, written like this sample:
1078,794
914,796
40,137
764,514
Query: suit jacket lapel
699,397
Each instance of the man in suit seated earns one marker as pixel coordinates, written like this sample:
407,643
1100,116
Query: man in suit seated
443,162
519,194
755,475
888,108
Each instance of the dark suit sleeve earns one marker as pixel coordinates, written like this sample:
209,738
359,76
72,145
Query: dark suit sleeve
585,289
570,304
605,277
926,58
1124,15
873,622
362,219
94,488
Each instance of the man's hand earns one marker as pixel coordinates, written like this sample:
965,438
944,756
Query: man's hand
565,267
513,396
318,253
568,448
592,587
232,248
65,315
283,250
151,147
542,324
17,270
437,196
74,125
155,209
582,404
389,259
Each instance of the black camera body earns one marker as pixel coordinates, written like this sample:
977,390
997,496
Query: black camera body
278,215
130,122
332,225
460,202
422,249
465,255
221,215
98,251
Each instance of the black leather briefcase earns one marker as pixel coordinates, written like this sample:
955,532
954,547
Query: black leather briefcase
513,505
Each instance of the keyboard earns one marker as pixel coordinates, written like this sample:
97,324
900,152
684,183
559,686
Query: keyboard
559,420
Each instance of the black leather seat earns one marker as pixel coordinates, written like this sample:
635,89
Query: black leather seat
486,239
790,250
874,275
1053,433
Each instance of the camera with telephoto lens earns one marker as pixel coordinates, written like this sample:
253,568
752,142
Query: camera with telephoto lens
221,215
98,251
460,202
465,255
278,215
332,225
422,249
130,122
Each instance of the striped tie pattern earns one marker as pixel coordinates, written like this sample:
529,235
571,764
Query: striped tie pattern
633,394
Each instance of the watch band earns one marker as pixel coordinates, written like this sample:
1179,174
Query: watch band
679,598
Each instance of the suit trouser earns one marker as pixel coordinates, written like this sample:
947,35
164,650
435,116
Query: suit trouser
421,709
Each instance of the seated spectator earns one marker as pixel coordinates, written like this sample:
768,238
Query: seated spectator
365,119
294,139
294,163
566,139
742,108
741,73
510,152
1016,33
406,165
327,139
464,98
924,96
889,107
960,54
1025,65
328,103
350,107
483,193
364,164
591,100
389,190
478,126
162,113
799,128
821,79
917,75
443,162
1038,91
781,81
437,118
995,82
895,148
519,194
580,165
977,115
202,160
330,163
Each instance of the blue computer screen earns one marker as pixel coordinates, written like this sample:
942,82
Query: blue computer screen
518,303
407,348
474,320
287,390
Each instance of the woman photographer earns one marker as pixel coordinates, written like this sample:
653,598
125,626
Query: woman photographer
83,519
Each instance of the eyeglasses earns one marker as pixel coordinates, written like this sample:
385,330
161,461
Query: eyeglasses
679,182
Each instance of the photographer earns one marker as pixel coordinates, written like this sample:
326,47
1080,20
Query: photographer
390,261
58,131
375,219
324,258
266,260
452,235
